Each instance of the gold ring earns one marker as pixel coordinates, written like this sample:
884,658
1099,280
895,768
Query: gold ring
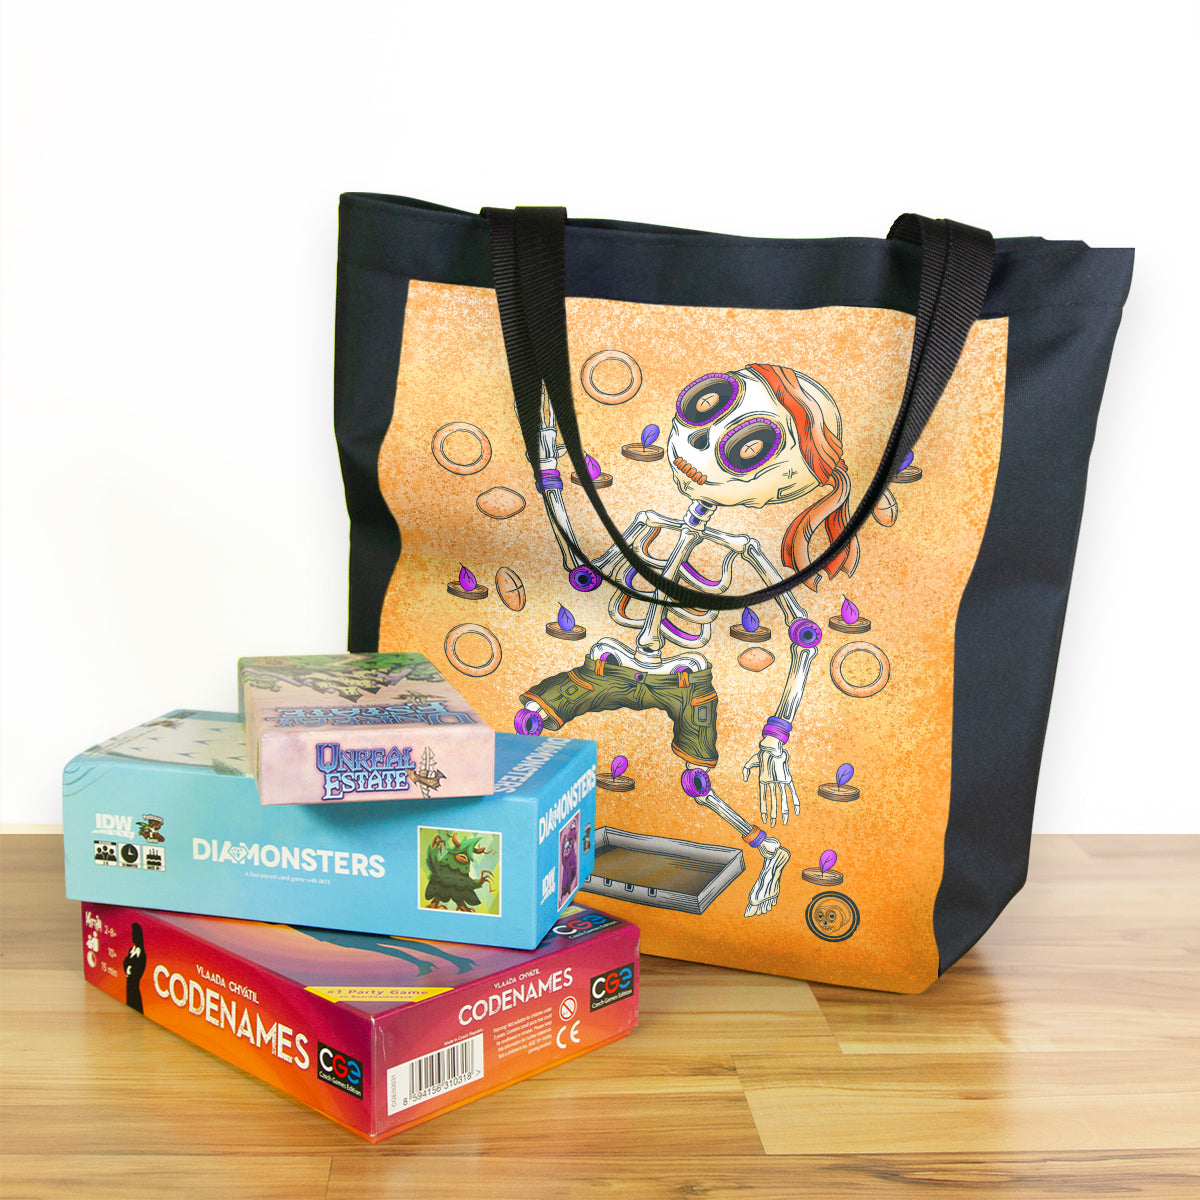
867,689
457,634
468,468
603,356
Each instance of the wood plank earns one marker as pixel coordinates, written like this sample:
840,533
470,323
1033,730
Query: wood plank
151,1174
560,1176
1027,1010
975,1103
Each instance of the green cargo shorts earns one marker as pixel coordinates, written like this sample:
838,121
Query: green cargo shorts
687,697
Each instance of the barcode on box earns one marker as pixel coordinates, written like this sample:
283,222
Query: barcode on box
431,1075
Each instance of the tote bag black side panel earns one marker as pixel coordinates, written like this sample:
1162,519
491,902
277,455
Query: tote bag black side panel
1011,617
368,329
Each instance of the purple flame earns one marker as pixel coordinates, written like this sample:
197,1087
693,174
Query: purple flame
849,611
592,465
649,435
844,774
749,620
828,859
907,461
620,765
466,580
566,622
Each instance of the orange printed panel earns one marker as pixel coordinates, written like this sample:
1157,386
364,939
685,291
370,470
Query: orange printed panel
454,473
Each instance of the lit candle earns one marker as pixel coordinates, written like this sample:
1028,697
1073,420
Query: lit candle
565,627
841,788
849,620
824,873
907,472
644,450
750,629
466,587
615,779
600,478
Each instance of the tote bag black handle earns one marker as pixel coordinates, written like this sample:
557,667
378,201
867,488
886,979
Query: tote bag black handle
529,270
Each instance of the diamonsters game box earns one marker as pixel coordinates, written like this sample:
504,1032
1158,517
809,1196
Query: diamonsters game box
167,816
379,1033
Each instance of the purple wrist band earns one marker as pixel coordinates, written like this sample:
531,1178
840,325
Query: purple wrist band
758,839
549,480
777,727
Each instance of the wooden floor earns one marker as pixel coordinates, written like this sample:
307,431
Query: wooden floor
1061,1057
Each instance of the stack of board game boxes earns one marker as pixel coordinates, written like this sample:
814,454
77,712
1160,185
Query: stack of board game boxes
351,888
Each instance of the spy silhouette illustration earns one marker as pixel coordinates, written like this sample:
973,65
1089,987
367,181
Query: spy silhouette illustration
134,965
389,946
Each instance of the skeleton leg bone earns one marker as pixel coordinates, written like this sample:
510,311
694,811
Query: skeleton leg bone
765,892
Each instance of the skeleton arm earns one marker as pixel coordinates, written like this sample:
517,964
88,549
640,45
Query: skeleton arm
775,785
582,578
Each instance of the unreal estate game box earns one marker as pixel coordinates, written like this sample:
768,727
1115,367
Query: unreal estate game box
342,728
379,1033
167,816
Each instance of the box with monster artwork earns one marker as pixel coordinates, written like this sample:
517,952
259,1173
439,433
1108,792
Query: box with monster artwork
167,816
329,728
379,1033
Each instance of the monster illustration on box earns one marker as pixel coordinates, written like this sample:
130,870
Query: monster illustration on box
452,871
758,436
568,860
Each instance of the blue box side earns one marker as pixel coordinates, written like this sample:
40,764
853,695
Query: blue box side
564,791
351,866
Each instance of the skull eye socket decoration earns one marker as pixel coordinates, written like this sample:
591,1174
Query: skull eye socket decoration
749,444
708,398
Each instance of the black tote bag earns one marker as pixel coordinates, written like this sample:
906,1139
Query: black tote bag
787,527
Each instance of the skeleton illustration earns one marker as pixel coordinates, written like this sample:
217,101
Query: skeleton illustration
761,435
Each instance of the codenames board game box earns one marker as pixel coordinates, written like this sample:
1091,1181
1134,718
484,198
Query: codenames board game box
167,816
379,1033
331,728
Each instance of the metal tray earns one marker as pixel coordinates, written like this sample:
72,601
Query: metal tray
662,872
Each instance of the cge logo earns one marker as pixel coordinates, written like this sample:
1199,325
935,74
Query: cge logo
612,986
583,924
340,1070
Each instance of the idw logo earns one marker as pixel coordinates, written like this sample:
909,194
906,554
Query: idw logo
612,986
111,823
340,1070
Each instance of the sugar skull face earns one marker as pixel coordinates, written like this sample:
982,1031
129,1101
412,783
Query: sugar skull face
732,442
828,918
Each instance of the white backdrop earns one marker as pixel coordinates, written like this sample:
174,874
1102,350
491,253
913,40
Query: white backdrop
171,495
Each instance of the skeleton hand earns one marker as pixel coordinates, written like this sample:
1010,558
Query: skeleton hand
774,780
548,448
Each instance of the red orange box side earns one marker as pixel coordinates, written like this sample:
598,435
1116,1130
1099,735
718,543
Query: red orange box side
378,1033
